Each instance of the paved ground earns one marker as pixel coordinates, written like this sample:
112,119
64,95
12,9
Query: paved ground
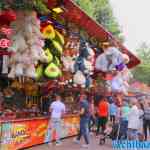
68,144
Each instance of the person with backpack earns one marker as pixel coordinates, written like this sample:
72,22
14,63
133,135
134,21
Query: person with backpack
84,121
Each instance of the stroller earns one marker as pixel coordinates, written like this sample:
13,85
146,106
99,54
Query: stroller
116,132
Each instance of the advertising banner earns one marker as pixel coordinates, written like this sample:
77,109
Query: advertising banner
23,134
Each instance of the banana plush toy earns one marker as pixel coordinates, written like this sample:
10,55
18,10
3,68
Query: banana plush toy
54,42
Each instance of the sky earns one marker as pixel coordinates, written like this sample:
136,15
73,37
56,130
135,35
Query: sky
134,19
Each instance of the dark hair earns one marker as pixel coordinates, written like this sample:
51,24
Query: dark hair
142,106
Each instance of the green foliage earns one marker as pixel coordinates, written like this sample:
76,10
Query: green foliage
24,5
88,6
142,71
101,11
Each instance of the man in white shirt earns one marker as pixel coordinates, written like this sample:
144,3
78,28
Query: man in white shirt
57,109
133,120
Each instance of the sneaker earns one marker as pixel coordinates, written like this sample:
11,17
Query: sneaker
85,146
76,141
49,143
58,143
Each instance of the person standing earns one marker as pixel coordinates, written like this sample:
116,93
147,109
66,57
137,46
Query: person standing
1,103
103,111
57,109
141,111
124,112
113,112
84,121
133,121
92,113
146,121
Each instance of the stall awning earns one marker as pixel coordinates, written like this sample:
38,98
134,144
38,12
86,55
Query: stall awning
78,16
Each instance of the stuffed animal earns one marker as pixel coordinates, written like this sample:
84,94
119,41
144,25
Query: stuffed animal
27,45
109,60
84,63
79,79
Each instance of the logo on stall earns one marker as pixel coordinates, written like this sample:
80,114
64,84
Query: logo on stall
19,133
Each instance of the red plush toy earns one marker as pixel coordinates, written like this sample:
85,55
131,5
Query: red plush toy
7,16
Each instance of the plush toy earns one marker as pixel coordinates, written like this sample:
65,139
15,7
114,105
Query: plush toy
84,63
79,79
6,17
27,45
68,63
120,82
113,62
111,59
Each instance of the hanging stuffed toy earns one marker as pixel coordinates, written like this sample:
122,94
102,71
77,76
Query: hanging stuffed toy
111,59
6,17
27,45
68,63
79,79
84,62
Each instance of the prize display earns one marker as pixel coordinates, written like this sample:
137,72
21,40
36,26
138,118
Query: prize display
42,52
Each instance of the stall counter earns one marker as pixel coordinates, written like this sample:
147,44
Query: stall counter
22,133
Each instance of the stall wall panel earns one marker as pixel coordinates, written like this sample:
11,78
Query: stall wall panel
21,134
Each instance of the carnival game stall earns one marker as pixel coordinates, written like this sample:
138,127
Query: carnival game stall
49,47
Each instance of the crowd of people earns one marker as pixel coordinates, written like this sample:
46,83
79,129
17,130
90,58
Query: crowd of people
129,121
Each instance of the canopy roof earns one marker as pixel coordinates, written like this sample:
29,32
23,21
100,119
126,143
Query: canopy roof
76,15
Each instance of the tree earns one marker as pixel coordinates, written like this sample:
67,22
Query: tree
142,71
102,12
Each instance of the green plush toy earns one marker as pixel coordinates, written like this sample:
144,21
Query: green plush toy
52,71
49,55
39,72
58,47
59,37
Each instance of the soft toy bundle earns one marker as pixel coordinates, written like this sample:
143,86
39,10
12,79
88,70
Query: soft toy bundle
113,62
110,60
71,48
84,65
27,45
6,17
54,42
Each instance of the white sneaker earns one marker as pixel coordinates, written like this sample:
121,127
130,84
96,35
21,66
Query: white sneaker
85,146
76,141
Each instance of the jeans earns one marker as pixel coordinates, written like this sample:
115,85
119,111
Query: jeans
84,131
146,125
92,122
56,125
112,118
132,134
123,129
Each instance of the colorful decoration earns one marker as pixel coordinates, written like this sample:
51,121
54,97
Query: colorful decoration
48,32
7,31
5,43
7,16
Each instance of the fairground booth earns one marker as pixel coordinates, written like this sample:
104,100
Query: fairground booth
50,47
